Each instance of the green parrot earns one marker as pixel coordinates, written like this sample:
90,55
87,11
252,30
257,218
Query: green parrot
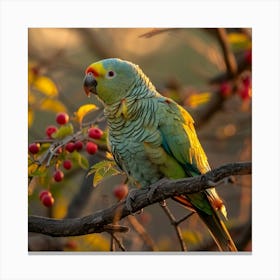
152,137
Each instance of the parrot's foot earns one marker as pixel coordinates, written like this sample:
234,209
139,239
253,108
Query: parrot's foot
130,200
211,183
229,180
151,192
153,188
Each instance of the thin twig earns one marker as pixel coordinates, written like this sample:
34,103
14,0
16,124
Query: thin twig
183,219
112,244
176,226
228,55
157,31
118,242
142,233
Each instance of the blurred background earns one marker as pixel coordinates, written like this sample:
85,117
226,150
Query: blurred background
208,71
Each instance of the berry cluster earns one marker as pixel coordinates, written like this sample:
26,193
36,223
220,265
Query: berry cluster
241,85
243,88
62,158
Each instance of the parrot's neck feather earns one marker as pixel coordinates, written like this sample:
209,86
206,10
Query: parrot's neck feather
141,89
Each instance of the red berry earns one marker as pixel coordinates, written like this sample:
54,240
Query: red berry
225,89
245,93
67,164
47,200
50,130
91,148
59,150
120,191
70,147
35,70
34,148
62,118
78,145
248,56
71,244
95,133
43,193
58,175
246,81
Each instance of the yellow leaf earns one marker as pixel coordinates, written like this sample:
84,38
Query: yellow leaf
45,85
83,110
109,156
197,99
31,76
31,98
53,105
103,170
236,37
30,117
32,168
192,237
239,41
60,207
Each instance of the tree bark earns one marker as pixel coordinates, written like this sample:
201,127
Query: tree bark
163,189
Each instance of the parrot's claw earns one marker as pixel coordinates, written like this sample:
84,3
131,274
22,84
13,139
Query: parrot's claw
153,189
151,192
211,183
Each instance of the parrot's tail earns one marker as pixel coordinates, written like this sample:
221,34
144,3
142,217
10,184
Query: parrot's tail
218,231
214,224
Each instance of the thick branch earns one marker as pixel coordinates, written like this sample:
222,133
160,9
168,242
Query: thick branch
99,221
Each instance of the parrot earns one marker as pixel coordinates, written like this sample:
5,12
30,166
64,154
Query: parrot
151,137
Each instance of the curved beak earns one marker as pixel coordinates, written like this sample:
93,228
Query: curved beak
90,84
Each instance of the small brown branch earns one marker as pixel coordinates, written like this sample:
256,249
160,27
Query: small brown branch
228,55
142,233
157,31
118,242
112,244
184,218
100,220
175,225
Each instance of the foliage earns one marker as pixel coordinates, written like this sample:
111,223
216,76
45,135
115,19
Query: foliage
42,94
103,170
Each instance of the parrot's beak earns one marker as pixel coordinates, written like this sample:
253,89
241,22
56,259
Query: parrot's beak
90,84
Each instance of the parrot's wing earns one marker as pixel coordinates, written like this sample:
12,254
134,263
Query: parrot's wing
180,139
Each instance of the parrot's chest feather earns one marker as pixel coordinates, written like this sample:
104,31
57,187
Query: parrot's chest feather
132,133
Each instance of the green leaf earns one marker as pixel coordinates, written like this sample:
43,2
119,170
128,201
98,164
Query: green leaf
79,159
103,170
63,131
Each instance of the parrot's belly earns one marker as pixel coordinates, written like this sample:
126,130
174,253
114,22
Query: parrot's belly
134,151
136,163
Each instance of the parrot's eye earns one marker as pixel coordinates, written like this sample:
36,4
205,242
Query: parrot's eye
110,74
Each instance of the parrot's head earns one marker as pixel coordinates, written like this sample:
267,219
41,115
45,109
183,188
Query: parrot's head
110,79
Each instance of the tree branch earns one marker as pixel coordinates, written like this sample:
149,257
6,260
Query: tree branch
100,220
175,225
